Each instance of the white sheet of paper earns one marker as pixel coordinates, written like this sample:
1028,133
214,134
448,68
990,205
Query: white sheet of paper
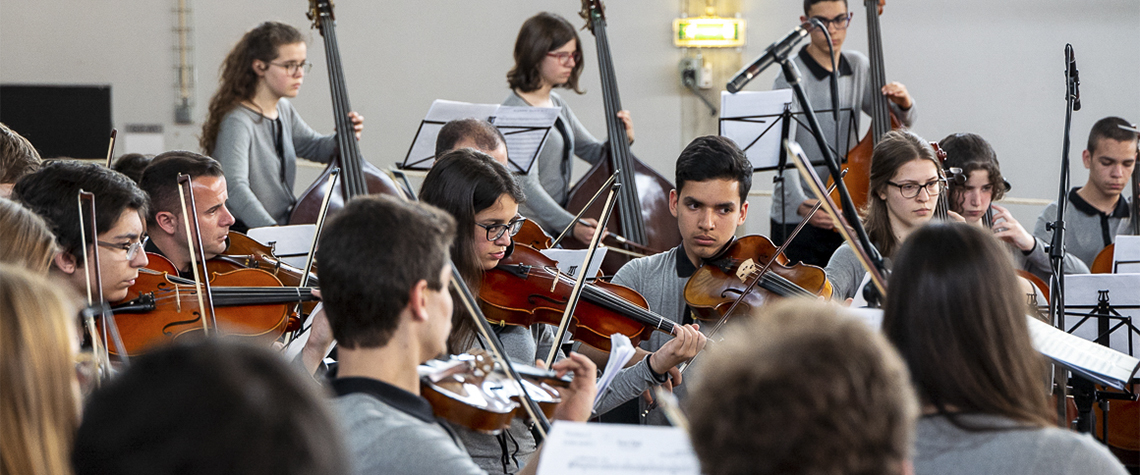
612,449
1126,254
290,243
570,260
1076,351
621,350
1081,294
525,129
873,317
752,120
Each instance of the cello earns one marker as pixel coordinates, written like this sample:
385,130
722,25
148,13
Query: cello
358,176
858,178
643,201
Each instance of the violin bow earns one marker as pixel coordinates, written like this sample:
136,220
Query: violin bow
541,425
194,242
311,258
111,147
832,210
578,217
576,293
99,350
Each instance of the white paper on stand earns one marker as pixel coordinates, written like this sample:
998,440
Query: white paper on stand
570,260
1081,295
612,449
621,351
1126,254
751,119
1077,352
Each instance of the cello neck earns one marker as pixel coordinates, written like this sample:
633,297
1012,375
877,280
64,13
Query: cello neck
629,205
880,110
352,179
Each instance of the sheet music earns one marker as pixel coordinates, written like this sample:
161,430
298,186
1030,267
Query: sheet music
612,449
524,128
1081,294
1078,352
752,120
570,260
1126,254
621,350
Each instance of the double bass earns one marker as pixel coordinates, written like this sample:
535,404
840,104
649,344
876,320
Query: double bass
358,177
858,178
643,201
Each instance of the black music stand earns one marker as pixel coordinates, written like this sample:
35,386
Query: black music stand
524,128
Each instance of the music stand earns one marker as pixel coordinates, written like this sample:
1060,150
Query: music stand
1126,254
524,128
749,119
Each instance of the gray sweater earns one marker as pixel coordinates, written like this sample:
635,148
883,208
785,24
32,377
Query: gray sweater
943,449
1087,229
259,181
525,346
855,93
548,183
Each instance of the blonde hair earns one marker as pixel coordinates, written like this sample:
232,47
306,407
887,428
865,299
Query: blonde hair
38,385
28,241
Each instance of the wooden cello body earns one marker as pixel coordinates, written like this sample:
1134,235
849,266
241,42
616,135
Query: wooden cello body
858,177
358,177
643,202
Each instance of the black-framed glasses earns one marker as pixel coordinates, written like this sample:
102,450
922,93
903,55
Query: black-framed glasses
840,22
292,67
496,231
131,248
910,190
564,57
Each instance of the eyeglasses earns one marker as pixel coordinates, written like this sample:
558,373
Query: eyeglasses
131,248
291,67
910,190
564,57
496,231
840,22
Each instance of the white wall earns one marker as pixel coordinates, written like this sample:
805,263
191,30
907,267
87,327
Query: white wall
994,68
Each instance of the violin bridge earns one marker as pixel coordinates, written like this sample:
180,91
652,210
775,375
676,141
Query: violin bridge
745,270
177,299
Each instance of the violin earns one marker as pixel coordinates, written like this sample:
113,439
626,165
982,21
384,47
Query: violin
244,252
471,390
527,288
723,278
249,303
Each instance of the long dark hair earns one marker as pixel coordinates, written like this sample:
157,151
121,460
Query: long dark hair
238,82
955,314
897,148
541,34
464,182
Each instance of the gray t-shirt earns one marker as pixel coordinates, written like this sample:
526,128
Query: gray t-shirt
547,184
1087,229
942,448
661,279
259,181
389,430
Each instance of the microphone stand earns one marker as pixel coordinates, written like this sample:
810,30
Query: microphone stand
792,74
1057,244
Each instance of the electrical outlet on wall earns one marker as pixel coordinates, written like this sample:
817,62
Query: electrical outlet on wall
690,68
705,78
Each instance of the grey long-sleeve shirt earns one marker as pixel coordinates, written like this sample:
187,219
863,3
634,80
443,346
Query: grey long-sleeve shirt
854,76
548,183
259,181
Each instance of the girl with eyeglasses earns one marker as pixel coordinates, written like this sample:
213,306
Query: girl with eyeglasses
483,197
253,129
903,191
548,55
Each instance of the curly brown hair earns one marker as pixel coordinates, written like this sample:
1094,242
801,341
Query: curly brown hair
238,82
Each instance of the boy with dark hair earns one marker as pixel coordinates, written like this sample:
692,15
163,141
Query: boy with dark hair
52,193
472,133
836,397
165,221
1098,212
385,271
790,200
713,178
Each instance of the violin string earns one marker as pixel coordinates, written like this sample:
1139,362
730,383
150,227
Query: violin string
618,303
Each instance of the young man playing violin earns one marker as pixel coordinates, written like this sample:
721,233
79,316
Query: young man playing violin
120,205
165,224
790,199
387,323
711,200
1097,212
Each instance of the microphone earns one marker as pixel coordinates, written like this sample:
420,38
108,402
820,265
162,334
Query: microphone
777,50
1072,76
